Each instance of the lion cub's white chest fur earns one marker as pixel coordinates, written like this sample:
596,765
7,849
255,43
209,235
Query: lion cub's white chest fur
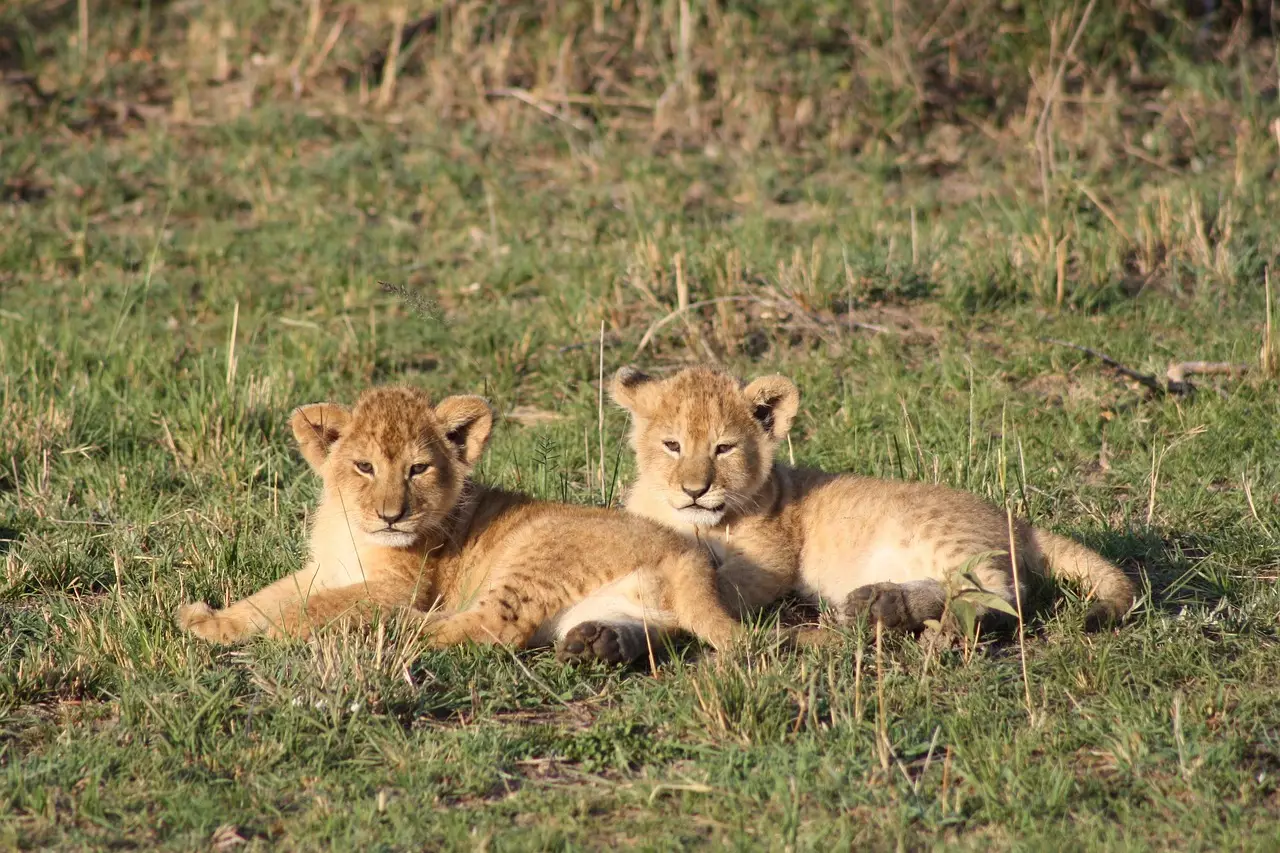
640,501
335,558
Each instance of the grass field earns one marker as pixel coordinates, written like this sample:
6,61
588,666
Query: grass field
898,204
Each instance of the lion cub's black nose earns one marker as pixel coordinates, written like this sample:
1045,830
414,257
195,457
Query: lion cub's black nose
696,492
392,519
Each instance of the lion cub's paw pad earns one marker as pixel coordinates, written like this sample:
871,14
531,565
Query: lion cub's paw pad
885,603
591,641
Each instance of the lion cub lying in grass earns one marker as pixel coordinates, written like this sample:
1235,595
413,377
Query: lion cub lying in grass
400,525
705,447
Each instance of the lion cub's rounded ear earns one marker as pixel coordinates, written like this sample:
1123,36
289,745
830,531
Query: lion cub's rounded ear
316,427
627,388
774,401
467,421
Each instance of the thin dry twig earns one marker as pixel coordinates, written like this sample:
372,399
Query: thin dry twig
527,97
1017,598
1106,211
882,729
1056,86
335,32
1253,509
662,321
172,445
1135,151
1042,126
82,9
314,15
928,759
816,322
1268,359
946,779
387,89
376,63
600,412
587,100
231,345
691,787
1145,380
546,688
1176,381
1177,374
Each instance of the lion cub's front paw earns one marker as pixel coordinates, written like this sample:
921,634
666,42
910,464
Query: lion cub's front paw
190,614
590,641
203,621
885,603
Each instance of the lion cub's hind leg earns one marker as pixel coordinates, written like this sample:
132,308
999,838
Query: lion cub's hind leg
507,614
607,625
897,606
613,625
614,643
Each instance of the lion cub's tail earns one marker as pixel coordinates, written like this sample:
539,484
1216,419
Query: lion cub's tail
1112,589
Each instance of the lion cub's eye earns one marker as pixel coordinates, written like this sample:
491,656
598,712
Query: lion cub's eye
722,449
672,446
364,467
418,469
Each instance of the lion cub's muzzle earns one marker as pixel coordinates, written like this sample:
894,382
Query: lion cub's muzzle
400,530
706,509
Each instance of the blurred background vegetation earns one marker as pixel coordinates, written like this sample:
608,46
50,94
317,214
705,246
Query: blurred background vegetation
213,211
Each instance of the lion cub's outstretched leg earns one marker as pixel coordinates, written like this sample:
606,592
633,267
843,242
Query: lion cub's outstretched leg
909,605
287,608
260,613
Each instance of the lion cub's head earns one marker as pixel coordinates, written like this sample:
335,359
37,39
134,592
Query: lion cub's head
394,464
704,443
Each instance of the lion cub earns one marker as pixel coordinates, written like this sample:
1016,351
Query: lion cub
705,447
401,526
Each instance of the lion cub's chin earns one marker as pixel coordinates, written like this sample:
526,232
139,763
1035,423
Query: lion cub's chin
699,517
392,538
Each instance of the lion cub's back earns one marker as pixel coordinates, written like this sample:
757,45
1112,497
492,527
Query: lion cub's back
888,530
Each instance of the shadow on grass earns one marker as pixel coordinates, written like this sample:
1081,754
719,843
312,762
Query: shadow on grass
1172,563
8,535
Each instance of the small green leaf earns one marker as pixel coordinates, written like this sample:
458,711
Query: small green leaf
968,567
966,615
990,600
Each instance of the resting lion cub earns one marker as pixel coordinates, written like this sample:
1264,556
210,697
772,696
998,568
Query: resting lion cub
705,447
401,526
